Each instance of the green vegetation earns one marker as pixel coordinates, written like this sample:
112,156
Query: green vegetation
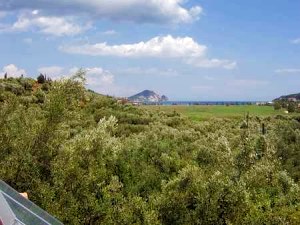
87,159
201,112
290,105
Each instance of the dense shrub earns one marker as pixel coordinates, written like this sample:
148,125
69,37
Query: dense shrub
89,160
17,89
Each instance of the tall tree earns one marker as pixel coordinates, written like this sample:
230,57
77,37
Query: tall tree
41,79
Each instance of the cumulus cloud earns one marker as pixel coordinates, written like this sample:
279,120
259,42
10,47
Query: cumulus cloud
184,48
103,81
289,70
140,11
53,25
12,71
97,78
165,47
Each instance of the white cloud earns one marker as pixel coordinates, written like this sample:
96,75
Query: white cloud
49,25
140,11
110,32
98,79
212,63
165,47
35,12
184,48
98,76
103,81
289,70
295,41
53,25
12,71
52,71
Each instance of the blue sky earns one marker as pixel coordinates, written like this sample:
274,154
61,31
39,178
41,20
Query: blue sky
187,50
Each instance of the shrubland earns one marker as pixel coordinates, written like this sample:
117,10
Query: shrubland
87,159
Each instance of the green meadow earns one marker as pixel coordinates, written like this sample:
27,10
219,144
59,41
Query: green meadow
200,112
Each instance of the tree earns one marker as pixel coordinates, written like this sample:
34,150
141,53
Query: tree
5,76
277,105
291,107
41,79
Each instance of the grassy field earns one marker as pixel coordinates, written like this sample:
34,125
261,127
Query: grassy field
208,112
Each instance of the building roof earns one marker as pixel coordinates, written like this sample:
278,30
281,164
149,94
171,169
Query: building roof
17,210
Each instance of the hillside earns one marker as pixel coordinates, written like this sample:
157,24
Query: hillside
287,97
87,159
147,96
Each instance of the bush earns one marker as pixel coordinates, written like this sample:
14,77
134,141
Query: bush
40,95
14,88
101,162
277,105
2,87
27,83
291,107
46,86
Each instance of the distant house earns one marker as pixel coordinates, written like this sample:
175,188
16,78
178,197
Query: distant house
122,101
292,99
137,103
264,103
15,209
260,103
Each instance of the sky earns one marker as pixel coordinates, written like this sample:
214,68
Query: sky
205,50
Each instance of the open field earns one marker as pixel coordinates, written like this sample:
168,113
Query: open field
200,112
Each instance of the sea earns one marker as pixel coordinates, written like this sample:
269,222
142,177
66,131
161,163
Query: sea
207,103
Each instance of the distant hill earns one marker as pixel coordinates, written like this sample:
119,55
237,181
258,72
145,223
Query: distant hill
147,96
289,97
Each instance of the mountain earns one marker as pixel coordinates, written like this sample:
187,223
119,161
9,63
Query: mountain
164,98
147,96
289,97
